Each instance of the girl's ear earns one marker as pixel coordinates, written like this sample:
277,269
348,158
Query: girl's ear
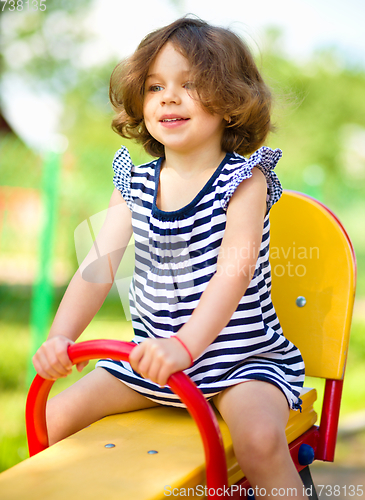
227,118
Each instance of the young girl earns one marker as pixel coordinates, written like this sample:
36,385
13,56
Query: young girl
200,295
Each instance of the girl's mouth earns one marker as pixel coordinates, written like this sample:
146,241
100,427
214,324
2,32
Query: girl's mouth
167,120
173,122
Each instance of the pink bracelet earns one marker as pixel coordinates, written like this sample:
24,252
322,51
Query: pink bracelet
184,346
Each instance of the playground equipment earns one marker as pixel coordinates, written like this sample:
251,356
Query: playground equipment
155,453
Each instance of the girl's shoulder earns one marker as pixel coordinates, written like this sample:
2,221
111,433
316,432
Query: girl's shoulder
123,165
126,173
238,168
265,158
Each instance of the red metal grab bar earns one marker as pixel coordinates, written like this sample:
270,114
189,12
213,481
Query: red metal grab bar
199,409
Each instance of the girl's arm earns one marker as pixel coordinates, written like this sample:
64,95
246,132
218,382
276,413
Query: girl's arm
237,258
235,267
84,297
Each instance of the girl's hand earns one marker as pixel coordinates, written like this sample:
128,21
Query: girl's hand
51,361
157,359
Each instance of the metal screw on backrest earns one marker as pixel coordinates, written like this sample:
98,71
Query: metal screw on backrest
301,301
152,452
109,445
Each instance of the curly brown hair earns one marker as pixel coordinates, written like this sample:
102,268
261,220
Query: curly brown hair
225,78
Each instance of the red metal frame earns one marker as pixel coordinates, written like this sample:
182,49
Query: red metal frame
199,409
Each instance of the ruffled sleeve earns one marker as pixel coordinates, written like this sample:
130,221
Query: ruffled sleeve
122,166
265,159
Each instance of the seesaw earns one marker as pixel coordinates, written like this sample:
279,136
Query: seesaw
161,452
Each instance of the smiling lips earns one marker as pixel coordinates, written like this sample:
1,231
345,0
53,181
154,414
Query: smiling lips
170,120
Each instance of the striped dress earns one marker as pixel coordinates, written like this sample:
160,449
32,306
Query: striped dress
176,256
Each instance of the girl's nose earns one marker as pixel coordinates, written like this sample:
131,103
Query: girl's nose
170,96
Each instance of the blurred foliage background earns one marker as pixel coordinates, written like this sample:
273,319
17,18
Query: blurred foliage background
320,116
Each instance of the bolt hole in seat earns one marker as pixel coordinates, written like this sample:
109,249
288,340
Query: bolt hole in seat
158,453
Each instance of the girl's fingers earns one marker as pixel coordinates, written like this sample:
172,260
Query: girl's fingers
154,370
163,376
144,359
61,368
45,370
146,362
63,359
51,361
81,366
157,359
135,356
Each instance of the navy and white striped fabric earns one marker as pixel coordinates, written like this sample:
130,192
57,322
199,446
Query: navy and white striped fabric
176,256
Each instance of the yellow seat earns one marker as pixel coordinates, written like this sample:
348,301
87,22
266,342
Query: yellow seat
313,275
82,466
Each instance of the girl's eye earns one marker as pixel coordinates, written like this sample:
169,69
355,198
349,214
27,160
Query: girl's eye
155,88
189,86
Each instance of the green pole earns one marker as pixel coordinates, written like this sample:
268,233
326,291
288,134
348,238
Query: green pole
42,296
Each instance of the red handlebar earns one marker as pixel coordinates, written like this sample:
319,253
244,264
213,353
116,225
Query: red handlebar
190,395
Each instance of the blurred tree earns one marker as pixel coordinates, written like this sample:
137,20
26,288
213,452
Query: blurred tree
320,116
44,47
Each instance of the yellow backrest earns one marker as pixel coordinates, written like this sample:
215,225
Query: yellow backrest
312,263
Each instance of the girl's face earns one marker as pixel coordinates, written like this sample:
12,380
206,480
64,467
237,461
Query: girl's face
172,113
